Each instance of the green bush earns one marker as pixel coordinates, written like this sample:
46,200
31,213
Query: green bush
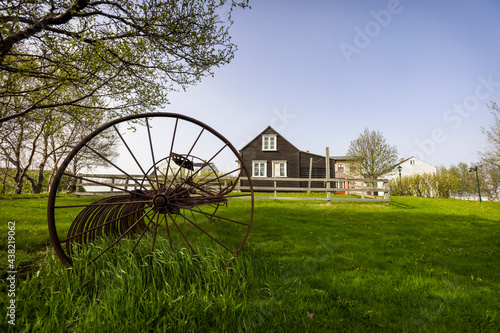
429,185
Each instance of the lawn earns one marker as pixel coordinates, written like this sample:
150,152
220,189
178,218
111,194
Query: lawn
415,265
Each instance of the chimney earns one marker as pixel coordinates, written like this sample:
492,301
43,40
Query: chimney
401,159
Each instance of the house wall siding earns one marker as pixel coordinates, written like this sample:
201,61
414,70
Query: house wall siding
297,161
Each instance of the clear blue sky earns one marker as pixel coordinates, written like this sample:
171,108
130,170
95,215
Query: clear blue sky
319,72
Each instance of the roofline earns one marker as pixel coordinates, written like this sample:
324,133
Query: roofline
301,151
258,135
395,165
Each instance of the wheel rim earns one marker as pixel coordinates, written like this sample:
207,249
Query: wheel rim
173,189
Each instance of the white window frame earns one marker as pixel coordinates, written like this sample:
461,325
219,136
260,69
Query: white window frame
413,162
271,138
254,163
285,167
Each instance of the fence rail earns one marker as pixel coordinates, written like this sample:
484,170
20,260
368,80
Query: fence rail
357,186
362,187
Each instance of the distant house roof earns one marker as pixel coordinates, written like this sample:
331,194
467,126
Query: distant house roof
401,162
409,158
409,168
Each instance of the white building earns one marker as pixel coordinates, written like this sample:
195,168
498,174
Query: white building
408,167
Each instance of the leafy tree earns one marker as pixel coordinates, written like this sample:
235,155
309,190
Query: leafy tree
122,56
490,157
490,184
492,152
372,155
32,145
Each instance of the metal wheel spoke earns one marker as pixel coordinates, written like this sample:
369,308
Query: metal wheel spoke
216,216
187,195
206,233
154,238
133,156
143,232
224,175
168,231
205,163
182,234
184,161
152,152
117,167
205,183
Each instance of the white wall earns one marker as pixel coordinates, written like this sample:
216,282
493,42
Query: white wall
411,166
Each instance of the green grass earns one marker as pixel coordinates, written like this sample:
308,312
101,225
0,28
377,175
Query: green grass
416,265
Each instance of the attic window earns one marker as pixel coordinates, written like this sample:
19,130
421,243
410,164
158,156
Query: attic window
269,142
412,162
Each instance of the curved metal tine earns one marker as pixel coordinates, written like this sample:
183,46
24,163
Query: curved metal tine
216,216
121,236
99,183
107,160
152,152
143,232
182,234
154,238
104,204
184,161
206,233
133,156
99,226
168,231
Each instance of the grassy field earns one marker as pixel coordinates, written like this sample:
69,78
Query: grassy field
416,265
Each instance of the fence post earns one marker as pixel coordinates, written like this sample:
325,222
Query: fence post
327,159
275,195
386,188
78,187
310,175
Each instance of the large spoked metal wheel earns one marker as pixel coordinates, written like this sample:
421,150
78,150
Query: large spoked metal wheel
172,177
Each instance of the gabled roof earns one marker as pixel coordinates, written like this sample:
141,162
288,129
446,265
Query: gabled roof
401,162
269,130
409,158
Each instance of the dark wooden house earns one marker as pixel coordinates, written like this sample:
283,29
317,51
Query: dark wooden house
270,155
